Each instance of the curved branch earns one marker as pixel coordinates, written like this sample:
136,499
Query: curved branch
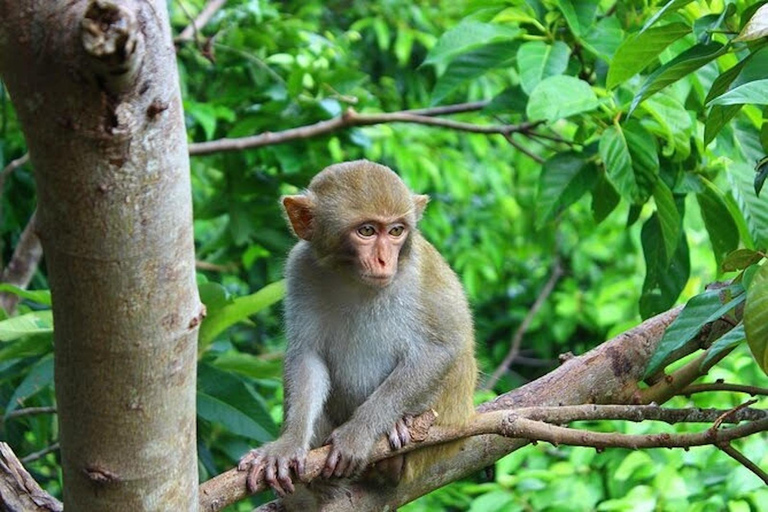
351,118
190,32
23,264
18,490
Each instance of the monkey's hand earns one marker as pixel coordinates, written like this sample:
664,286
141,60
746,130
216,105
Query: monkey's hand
400,435
274,461
351,447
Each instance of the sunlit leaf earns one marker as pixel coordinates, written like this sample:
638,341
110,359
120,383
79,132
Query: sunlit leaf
638,51
700,310
725,342
39,296
37,322
752,92
618,162
466,36
560,96
471,65
761,173
682,65
237,311
537,60
668,8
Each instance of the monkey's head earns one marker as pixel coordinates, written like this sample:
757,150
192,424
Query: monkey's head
358,218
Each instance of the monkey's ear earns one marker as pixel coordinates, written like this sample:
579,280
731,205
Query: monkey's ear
420,202
300,212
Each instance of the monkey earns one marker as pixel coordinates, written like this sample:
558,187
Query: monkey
378,329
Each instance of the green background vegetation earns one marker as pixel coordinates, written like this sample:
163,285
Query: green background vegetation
637,185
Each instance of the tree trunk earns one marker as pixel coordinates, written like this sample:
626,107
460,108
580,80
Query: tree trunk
96,90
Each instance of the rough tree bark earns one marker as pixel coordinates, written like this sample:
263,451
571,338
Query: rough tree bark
95,87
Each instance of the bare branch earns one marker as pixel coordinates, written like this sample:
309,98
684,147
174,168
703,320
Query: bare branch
40,454
18,490
351,118
741,459
514,349
31,411
722,386
190,32
23,264
12,166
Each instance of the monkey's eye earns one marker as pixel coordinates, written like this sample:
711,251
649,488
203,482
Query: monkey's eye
397,230
366,230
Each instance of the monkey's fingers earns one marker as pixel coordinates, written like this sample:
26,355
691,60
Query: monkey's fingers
330,463
253,476
270,476
249,460
284,475
399,436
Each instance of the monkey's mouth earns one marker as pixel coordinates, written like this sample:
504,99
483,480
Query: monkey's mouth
378,279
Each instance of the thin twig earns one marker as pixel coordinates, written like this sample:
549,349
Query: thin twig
744,461
42,453
729,413
514,349
522,149
351,118
722,386
205,15
31,411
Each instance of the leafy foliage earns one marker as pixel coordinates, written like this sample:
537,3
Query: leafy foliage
639,183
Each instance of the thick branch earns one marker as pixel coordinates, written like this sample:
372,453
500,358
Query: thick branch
23,264
18,490
351,119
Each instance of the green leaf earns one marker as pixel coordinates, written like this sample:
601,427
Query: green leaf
722,229
725,342
580,15
249,365
560,96
618,162
39,296
752,92
645,158
669,218
604,199
700,310
40,376
471,65
564,179
717,117
754,210
37,322
638,51
682,65
467,36
756,317
761,173
664,278
604,39
675,122
33,345
669,7
239,310
740,259
511,100
229,400
537,60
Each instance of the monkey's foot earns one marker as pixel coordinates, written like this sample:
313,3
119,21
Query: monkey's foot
400,436
274,465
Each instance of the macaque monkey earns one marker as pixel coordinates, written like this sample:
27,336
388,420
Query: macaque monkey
378,329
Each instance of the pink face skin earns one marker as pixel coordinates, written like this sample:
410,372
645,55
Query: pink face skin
378,247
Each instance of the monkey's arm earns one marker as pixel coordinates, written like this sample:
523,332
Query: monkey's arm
306,388
410,388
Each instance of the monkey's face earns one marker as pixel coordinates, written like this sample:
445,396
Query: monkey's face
376,246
